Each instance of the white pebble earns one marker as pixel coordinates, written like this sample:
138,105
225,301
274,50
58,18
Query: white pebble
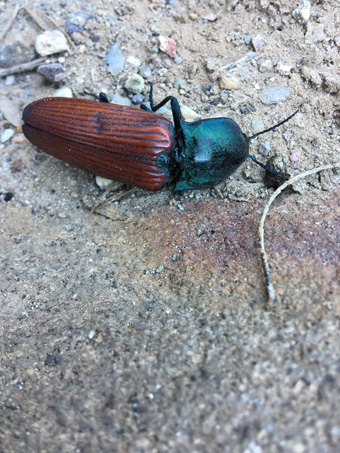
6,135
302,12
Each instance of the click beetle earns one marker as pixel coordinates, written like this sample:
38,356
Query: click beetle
139,147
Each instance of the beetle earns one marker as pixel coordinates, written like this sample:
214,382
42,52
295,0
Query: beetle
139,147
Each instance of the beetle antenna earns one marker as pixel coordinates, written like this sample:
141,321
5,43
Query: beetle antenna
273,127
277,173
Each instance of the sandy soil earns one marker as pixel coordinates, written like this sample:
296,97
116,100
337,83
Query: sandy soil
144,327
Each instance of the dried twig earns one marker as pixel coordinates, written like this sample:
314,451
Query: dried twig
270,287
112,200
7,25
23,67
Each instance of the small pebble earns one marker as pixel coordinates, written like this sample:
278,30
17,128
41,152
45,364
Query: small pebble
284,68
104,183
145,72
213,64
159,269
77,38
180,207
257,126
228,83
78,18
294,157
94,38
311,75
193,16
92,334
180,83
121,100
265,148
315,33
206,89
72,27
53,72
210,17
302,13
10,111
6,135
63,92
189,114
266,65
10,80
135,84
331,82
19,139
275,95
137,99
178,60
115,60
257,42
134,61
247,39
167,45
162,72
17,165
50,42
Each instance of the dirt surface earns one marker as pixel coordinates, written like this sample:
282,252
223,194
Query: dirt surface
144,327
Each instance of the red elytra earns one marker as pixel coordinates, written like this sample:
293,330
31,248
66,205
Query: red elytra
113,141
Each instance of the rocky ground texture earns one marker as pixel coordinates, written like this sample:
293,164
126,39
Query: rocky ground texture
144,326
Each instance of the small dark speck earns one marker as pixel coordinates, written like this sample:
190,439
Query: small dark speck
94,37
51,360
207,89
8,196
328,378
215,101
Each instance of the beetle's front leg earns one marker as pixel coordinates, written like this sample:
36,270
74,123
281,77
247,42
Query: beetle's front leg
101,98
176,113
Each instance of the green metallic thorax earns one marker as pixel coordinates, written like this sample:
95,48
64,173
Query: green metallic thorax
213,149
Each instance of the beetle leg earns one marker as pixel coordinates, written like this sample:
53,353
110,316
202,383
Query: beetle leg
101,98
144,107
277,173
177,117
176,113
